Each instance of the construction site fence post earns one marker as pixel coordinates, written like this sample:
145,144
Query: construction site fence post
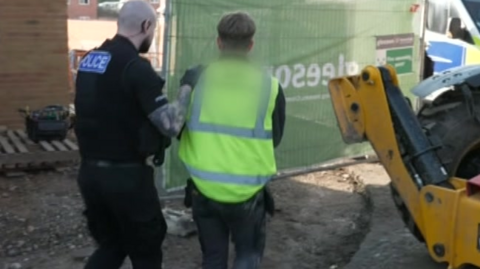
160,172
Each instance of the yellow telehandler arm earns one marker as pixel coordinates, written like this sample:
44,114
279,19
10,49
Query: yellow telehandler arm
443,212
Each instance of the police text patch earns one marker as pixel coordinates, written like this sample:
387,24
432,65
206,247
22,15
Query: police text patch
95,62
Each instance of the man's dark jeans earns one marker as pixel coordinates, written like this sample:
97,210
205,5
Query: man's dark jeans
123,215
216,222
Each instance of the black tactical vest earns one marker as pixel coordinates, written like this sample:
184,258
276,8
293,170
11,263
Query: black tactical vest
110,124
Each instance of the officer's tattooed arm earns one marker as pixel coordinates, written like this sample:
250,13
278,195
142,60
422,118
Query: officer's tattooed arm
170,117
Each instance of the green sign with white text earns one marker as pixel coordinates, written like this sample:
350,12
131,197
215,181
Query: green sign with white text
396,50
401,59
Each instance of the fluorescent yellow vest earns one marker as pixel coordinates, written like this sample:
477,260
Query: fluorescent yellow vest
227,143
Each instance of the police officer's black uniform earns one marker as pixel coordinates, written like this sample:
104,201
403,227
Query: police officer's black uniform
116,90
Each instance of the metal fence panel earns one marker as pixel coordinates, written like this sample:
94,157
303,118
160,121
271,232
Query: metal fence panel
303,43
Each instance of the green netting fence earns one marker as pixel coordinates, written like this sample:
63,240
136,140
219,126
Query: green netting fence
304,43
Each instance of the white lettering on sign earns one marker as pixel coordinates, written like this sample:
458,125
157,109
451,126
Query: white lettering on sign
298,75
312,75
283,74
328,73
95,62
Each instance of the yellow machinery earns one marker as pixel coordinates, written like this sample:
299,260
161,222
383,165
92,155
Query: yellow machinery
441,210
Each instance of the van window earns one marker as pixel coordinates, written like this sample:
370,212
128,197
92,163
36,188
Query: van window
473,8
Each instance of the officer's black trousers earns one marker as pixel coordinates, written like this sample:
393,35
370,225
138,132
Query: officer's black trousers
217,222
123,215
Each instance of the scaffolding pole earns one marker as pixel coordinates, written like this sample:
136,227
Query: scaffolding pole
161,172
423,26
167,15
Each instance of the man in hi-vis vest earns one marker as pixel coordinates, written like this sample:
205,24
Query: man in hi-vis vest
235,120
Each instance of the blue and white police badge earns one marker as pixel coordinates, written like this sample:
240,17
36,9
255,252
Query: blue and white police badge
95,62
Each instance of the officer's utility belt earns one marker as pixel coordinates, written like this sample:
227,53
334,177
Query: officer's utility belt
117,164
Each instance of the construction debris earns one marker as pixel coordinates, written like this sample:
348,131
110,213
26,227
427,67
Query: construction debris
179,223
19,153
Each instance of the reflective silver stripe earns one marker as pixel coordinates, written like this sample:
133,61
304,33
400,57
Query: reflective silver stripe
228,178
258,132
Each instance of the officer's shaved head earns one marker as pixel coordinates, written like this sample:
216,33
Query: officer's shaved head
137,21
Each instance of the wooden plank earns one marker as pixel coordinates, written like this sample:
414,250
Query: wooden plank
13,174
24,137
46,146
71,145
16,141
71,109
40,156
9,166
6,146
59,145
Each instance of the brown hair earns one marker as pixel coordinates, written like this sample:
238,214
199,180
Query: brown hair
236,30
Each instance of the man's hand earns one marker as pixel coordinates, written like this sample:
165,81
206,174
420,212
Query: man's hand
190,78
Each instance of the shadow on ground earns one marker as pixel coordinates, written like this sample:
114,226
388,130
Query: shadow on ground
389,244
320,223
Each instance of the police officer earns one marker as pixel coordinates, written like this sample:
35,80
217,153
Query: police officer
237,118
122,117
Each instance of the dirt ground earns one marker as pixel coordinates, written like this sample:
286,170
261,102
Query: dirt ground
321,221
389,244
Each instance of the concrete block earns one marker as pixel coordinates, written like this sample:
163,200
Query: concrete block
179,223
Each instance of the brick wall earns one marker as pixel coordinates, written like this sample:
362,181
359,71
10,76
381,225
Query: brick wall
82,9
33,57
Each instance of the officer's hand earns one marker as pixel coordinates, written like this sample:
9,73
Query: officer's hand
191,76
